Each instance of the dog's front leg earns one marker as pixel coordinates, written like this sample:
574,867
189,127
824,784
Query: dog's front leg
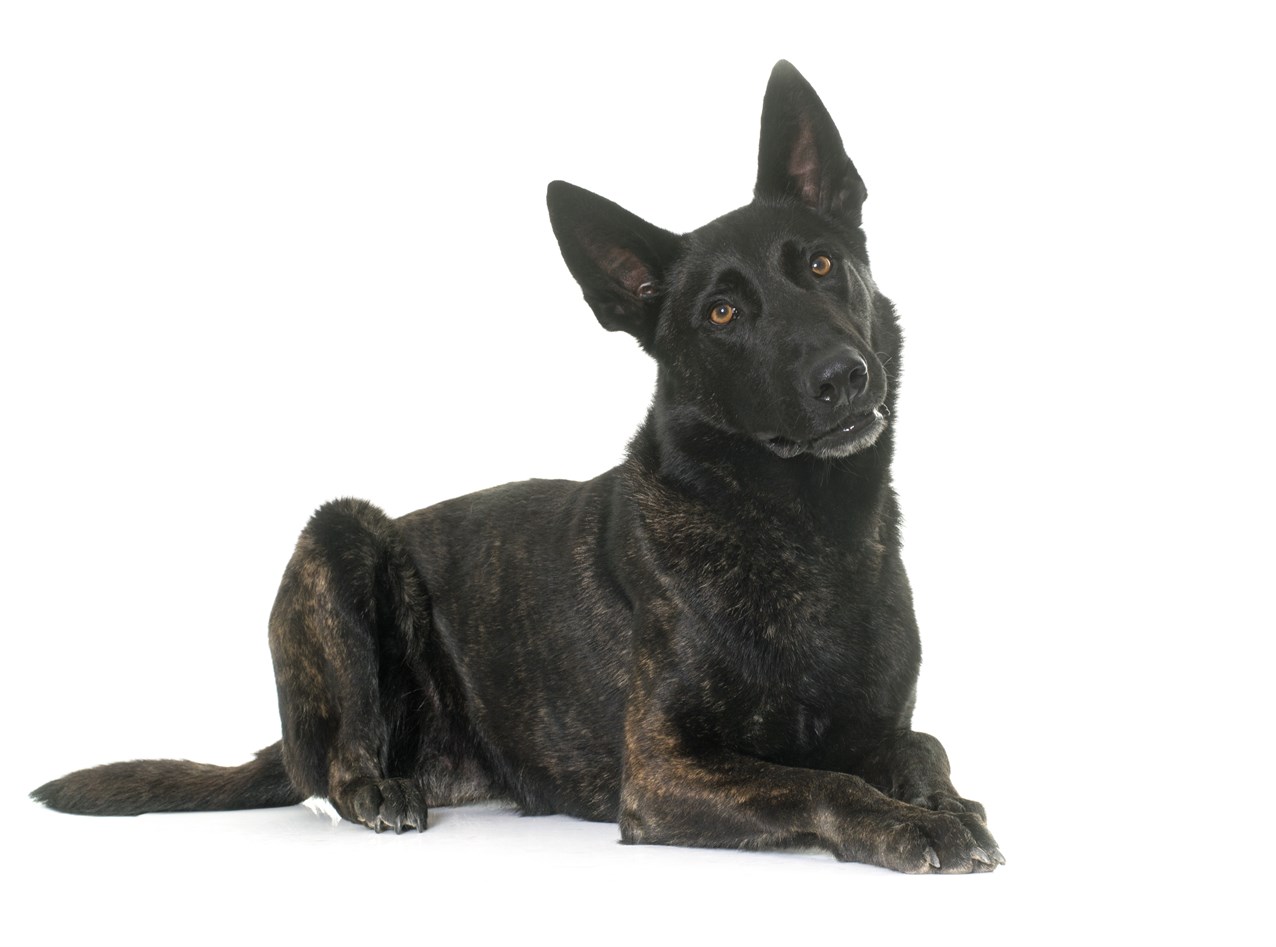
677,791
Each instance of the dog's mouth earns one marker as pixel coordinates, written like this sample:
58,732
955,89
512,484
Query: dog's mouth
853,433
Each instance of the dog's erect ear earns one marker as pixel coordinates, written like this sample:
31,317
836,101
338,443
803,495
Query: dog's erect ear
800,156
618,259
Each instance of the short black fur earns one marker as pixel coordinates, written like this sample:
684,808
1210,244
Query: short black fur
712,644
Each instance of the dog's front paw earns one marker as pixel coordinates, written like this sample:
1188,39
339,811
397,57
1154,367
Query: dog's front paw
382,804
949,802
945,842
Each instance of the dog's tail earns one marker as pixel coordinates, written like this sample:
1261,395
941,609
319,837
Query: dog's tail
173,786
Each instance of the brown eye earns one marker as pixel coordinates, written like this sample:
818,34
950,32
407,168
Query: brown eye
821,265
721,314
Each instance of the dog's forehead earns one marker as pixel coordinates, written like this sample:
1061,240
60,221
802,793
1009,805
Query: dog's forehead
756,233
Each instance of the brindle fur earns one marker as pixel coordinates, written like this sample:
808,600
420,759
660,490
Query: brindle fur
712,644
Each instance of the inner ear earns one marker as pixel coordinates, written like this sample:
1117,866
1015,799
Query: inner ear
804,163
800,152
624,266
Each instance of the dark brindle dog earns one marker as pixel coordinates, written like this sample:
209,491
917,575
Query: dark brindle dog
712,644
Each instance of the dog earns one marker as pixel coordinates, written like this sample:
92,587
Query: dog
712,644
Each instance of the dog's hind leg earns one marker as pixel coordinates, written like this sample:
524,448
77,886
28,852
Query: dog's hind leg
347,635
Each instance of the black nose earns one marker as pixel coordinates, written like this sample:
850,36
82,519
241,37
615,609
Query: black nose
838,378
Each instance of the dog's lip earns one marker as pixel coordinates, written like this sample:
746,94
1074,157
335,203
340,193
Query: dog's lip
849,429
855,423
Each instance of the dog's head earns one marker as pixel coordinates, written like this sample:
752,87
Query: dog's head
765,322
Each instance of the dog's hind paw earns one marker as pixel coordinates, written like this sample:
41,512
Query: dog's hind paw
382,804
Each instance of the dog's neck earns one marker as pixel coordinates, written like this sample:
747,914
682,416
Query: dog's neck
846,496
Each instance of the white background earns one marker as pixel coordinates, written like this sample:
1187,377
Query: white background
254,256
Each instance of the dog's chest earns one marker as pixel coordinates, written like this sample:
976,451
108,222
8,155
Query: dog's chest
826,691
784,629
787,650
769,578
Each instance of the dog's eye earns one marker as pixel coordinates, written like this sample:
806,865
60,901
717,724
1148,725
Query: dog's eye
821,265
721,314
